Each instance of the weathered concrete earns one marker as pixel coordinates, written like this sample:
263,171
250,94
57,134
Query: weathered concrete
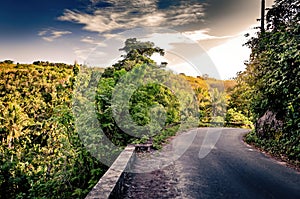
111,183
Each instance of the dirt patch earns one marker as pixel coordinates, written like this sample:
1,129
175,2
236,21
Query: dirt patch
156,184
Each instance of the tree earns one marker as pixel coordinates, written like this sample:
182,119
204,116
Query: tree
273,73
8,62
135,116
241,96
137,52
273,68
142,48
41,153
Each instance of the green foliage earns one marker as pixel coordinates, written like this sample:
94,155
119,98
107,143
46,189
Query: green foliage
273,76
133,47
139,117
137,52
86,122
149,96
7,62
241,96
41,155
235,118
214,96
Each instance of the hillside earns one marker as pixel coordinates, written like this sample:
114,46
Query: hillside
40,152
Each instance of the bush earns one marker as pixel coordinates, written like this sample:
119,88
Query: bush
237,119
41,155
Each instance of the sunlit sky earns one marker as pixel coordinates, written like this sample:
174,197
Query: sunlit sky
199,36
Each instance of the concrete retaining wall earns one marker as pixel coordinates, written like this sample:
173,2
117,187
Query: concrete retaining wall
111,183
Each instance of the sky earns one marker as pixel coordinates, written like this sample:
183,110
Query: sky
199,36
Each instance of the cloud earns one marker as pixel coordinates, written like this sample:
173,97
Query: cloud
127,14
91,40
82,54
51,34
200,35
41,33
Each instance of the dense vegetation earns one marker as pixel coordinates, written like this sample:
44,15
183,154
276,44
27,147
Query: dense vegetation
219,102
138,101
41,155
53,147
130,107
271,82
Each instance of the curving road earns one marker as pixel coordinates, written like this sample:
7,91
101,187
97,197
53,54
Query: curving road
231,169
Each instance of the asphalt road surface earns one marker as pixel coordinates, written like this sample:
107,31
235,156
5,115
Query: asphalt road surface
227,169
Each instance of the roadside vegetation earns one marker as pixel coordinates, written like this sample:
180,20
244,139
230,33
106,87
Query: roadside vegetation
213,98
42,154
271,83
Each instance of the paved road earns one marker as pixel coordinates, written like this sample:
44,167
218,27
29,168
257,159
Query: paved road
230,170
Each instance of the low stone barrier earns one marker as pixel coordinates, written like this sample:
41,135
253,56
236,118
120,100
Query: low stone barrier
111,183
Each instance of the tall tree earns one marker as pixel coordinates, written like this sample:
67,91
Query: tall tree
273,73
146,101
136,52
